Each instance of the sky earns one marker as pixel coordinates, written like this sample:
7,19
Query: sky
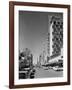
33,28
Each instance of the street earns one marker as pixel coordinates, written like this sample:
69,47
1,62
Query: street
41,73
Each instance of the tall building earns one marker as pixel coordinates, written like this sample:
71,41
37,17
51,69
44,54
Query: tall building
55,36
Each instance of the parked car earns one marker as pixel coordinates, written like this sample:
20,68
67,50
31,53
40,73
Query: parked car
32,73
45,68
26,69
23,74
50,67
58,68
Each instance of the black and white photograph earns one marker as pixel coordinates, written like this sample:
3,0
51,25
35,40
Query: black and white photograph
40,44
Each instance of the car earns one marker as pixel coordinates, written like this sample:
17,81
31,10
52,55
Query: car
23,74
26,69
50,67
58,68
32,74
45,68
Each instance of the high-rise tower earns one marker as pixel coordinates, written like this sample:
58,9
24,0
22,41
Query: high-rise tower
55,36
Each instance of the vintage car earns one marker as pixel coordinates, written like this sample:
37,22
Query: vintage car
58,68
32,73
23,74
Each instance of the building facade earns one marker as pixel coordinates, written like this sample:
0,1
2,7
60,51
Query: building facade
55,37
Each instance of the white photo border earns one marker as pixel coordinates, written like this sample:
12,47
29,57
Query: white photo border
16,42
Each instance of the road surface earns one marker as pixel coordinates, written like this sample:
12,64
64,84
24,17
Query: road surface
41,73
